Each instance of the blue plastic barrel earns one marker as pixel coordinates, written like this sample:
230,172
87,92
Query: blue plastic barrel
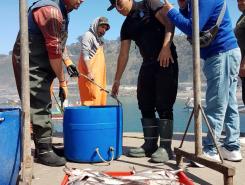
10,144
92,133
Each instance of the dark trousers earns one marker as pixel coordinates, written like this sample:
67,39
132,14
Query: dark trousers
157,89
243,89
41,78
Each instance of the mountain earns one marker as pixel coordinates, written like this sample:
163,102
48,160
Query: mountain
111,49
6,70
8,90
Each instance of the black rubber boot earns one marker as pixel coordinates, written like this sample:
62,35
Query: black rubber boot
164,152
150,130
58,150
46,155
44,149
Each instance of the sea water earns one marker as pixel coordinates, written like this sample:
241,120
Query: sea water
132,116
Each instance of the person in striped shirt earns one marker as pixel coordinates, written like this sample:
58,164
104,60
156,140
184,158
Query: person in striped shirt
92,63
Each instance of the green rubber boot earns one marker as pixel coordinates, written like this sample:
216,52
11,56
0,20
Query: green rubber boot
164,152
46,155
44,150
150,130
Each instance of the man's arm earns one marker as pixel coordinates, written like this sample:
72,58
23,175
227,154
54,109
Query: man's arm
121,64
71,68
66,58
169,27
165,55
49,20
185,23
86,46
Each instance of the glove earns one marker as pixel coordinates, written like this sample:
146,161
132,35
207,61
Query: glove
71,68
63,93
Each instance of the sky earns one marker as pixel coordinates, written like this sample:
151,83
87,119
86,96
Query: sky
79,20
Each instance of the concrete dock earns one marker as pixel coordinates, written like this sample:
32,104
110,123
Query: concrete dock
43,175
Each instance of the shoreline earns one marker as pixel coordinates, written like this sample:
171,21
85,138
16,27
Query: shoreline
181,94
184,91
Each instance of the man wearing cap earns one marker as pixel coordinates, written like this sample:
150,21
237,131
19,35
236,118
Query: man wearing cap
92,64
158,76
48,29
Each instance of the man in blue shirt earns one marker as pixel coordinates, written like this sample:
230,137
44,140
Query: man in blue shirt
222,59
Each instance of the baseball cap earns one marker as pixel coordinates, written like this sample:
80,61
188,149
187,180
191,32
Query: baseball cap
104,21
113,4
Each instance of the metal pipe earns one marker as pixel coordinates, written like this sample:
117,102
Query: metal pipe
27,161
61,106
212,134
101,88
196,77
186,129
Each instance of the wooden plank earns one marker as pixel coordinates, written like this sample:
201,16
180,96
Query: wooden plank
223,168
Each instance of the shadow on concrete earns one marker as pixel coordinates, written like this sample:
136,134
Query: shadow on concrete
188,137
142,164
176,136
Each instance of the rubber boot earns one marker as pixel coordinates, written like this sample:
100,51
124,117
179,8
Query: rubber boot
150,130
44,150
164,152
46,155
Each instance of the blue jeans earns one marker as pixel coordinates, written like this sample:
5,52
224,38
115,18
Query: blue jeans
221,72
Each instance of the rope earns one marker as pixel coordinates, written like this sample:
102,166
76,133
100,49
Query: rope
102,159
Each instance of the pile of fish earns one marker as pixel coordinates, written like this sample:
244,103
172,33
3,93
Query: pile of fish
146,177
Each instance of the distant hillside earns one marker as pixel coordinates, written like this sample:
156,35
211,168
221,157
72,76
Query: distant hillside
111,49
6,70
8,88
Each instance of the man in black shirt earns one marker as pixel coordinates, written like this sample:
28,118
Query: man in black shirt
158,76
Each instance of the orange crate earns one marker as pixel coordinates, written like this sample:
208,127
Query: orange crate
183,179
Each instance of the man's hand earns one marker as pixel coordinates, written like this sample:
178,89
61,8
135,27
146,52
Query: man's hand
115,88
165,56
63,93
166,7
72,70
